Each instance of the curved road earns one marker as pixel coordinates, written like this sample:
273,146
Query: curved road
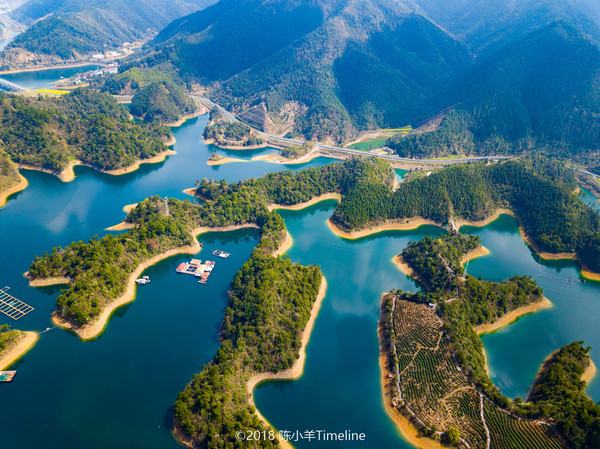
230,116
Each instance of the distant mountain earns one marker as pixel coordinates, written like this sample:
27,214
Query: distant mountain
487,25
70,29
542,91
318,68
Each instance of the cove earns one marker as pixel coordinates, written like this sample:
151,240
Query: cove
340,389
516,352
117,390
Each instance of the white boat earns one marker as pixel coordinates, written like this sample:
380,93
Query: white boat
220,253
143,280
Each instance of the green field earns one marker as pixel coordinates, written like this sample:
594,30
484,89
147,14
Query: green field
369,144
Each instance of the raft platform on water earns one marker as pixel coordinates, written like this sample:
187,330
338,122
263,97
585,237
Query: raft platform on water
220,253
197,268
7,376
12,307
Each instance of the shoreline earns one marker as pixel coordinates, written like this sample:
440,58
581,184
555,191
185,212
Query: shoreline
405,268
304,205
48,282
95,328
589,373
459,222
153,160
405,225
284,246
587,274
512,316
68,174
225,160
297,369
129,207
16,188
201,111
480,251
404,426
275,158
23,346
234,147
123,226
192,192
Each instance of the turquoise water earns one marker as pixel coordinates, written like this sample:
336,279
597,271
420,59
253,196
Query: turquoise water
369,144
45,79
117,391
589,198
340,389
516,352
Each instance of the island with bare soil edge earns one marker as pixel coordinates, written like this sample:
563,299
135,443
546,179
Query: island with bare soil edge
100,272
435,384
84,127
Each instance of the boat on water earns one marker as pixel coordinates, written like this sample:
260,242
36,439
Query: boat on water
143,280
7,376
220,253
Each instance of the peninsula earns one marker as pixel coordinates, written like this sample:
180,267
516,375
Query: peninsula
434,336
14,344
54,134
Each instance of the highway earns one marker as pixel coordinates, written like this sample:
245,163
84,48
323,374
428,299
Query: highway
11,86
285,141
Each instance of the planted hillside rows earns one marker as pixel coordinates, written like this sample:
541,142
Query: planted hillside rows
510,432
435,390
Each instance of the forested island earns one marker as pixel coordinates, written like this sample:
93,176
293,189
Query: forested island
14,344
451,362
228,134
52,133
100,272
163,102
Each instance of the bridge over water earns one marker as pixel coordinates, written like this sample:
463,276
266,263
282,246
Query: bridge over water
10,86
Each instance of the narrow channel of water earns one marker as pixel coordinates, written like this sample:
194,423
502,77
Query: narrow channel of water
516,352
117,390
340,389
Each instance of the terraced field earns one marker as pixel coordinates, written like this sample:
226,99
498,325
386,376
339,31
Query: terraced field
434,389
507,431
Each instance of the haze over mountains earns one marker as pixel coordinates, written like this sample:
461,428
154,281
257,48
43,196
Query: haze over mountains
67,29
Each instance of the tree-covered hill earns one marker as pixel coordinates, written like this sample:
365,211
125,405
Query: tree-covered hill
325,67
49,133
9,176
66,30
487,27
539,92
163,102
